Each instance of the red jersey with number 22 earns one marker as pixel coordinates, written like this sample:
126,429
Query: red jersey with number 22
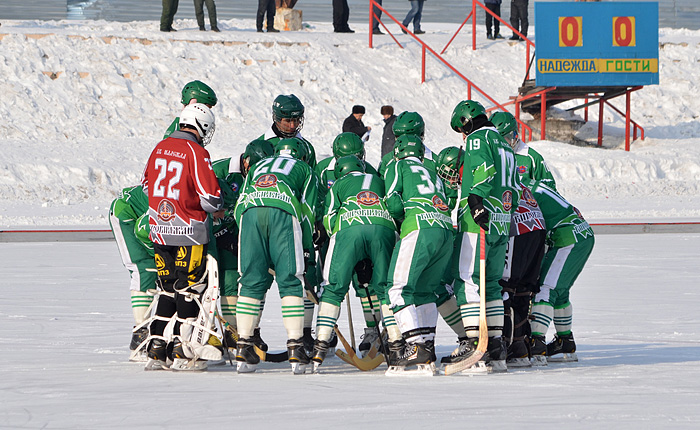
182,189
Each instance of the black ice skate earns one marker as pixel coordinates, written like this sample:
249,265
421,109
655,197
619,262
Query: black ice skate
371,335
308,341
257,340
496,353
182,362
518,354
538,351
467,359
246,357
297,356
138,344
415,354
320,350
562,349
157,358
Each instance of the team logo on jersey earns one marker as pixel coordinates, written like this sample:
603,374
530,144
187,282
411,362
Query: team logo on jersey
367,198
507,200
181,253
529,198
438,203
522,170
330,183
160,263
266,181
166,210
234,187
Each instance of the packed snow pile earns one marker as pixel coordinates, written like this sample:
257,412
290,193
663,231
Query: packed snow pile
83,103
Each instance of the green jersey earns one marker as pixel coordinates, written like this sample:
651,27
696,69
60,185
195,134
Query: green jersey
228,171
131,203
285,183
565,224
271,137
415,196
174,126
325,170
131,206
354,200
531,165
489,172
388,159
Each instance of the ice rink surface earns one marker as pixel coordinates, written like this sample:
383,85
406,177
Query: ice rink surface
66,319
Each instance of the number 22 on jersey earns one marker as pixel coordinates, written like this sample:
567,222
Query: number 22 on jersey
164,167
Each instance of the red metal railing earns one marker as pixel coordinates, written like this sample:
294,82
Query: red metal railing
425,48
525,130
472,14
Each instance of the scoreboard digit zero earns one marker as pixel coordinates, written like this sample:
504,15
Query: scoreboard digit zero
597,44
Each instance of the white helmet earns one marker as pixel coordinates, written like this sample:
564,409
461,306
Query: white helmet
201,118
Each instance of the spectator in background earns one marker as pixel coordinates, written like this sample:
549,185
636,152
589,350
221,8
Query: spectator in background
375,22
199,13
354,123
388,137
341,15
415,14
518,16
168,15
266,7
495,7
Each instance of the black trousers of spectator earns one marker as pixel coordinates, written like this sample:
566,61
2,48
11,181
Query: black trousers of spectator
341,15
495,8
518,16
266,6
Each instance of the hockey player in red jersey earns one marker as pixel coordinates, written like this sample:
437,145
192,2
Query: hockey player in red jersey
182,189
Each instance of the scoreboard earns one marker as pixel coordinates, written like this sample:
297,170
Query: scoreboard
597,44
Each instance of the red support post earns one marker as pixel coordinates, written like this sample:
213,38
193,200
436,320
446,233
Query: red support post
601,103
473,26
627,120
585,110
371,14
422,75
543,115
527,60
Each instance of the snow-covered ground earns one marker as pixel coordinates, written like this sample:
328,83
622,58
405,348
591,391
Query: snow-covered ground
66,323
69,144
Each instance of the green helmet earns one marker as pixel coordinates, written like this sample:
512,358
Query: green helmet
347,164
200,91
230,197
449,161
348,144
288,106
292,146
464,113
254,152
409,123
408,145
507,127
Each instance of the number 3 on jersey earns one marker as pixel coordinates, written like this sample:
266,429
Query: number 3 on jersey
163,168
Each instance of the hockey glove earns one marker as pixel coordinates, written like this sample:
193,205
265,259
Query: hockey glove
320,236
364,271
227,240
309,262
478,211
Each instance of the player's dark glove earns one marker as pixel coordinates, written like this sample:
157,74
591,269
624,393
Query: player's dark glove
364,271
320,236
227,240
478,211
308,260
